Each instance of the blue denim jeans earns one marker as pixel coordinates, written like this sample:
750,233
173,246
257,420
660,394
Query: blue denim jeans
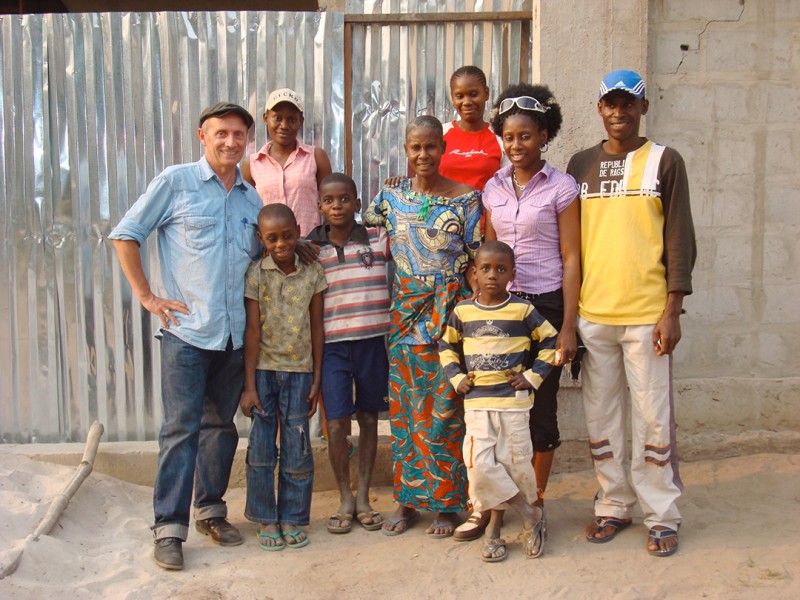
200,391
283,397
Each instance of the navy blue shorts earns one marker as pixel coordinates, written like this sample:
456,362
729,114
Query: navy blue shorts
363,362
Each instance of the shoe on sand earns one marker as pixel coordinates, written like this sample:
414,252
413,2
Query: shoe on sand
493,548
601,523
407,520
533,539
275,545
371,520
448,526
290,538
473,527
335,523
660,534
220,531
168,553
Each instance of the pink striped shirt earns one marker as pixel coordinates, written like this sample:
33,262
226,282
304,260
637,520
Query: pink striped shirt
530,224
294,184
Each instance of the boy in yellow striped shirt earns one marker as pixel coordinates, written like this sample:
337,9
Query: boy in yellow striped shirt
485,352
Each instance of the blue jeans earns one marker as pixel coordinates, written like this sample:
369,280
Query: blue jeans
283,396
200,391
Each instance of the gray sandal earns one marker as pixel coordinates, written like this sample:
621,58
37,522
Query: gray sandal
533,539
491,547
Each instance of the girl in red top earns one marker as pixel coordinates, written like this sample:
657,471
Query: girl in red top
472,152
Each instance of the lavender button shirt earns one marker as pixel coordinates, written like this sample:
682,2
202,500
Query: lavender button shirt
530,224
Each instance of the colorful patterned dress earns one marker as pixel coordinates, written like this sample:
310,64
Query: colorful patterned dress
432,240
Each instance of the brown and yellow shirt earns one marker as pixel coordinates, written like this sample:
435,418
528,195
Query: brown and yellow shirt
637,235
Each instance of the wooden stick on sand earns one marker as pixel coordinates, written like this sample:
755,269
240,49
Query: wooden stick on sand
9,561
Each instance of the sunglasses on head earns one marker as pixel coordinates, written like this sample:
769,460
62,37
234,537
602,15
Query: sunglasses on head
523,102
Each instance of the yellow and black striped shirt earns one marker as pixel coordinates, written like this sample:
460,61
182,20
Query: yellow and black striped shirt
488,341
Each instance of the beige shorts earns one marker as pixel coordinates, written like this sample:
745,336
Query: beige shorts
498,453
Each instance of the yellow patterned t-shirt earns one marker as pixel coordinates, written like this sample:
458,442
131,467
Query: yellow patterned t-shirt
284,317
637,233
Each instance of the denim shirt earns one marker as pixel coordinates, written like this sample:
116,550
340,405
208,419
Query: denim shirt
206,240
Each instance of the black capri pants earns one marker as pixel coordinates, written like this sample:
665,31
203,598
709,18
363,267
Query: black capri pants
544,414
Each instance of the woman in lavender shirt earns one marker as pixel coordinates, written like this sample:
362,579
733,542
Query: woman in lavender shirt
533,208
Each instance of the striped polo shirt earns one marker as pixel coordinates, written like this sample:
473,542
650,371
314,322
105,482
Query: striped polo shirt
357,298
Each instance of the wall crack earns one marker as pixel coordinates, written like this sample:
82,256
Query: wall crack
700,35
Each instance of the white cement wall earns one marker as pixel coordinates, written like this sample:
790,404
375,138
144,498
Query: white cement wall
723,80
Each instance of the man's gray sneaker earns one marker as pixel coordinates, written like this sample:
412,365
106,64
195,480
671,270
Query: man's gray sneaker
220,531
168,553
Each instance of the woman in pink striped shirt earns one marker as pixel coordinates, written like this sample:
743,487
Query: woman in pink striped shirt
286,170
533,208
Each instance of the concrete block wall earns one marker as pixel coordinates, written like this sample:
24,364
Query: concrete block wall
723,79
725,83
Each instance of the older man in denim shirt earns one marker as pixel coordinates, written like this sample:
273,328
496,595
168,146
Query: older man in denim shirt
205,216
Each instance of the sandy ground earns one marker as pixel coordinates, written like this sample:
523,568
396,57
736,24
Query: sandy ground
740,539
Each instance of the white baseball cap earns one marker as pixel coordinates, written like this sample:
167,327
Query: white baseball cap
284,95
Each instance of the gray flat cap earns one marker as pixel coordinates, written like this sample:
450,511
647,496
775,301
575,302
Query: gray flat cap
220,109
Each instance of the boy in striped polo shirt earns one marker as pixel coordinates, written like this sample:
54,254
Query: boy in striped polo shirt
356,321
484,352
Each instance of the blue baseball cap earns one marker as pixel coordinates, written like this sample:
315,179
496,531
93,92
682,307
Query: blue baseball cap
627,81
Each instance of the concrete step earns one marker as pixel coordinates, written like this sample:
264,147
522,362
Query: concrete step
135,462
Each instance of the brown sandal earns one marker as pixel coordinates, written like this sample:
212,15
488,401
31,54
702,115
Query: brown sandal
473,527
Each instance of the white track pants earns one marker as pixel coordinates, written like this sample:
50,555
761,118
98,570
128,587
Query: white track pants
618,357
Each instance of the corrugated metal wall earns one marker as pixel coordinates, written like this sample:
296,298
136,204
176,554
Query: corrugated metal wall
401,69
93,107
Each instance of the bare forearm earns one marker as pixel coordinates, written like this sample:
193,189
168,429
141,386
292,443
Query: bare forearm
251,343
674,304
130,259
571,286
667,332
570,235
317,335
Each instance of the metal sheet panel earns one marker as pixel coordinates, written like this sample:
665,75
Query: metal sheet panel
93,107
401,70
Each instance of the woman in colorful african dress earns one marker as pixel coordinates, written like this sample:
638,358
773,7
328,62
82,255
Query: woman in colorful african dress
434,230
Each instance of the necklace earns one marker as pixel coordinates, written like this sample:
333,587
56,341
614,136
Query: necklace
520,187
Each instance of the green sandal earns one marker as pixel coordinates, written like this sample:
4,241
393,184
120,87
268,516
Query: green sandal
290,538
276,537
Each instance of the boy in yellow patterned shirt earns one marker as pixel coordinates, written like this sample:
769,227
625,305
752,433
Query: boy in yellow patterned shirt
283,343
